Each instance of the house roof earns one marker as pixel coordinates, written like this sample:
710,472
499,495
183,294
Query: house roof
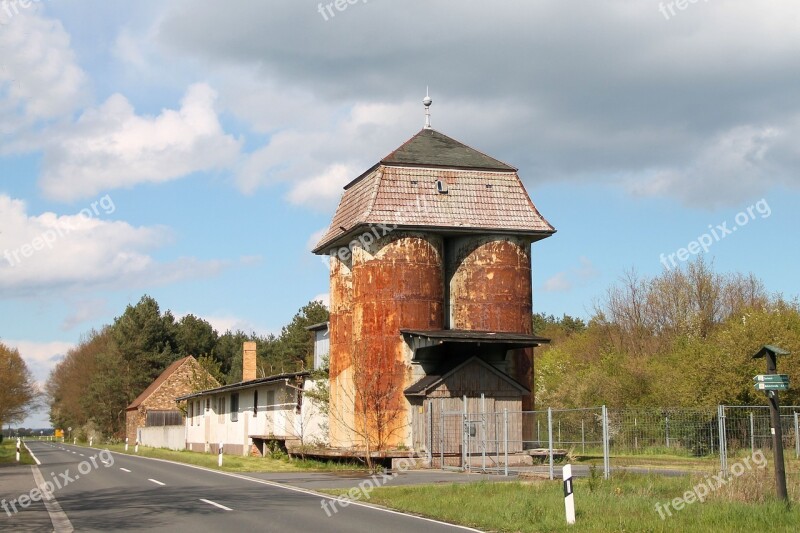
245,385
318,327
165,375
519,340
431,381
479,194
430,148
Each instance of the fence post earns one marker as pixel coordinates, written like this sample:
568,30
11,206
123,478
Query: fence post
606,445
441,432
538,433
711,436
796,437
505,438
752,433
636,433
666,428
465,438
583,437
430,434
550,438
723,459
483,429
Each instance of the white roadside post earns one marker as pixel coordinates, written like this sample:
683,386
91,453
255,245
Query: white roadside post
219,461
91,441
19,441
569,499
136,447
126,444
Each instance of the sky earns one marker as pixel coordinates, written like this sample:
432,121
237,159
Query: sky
195,151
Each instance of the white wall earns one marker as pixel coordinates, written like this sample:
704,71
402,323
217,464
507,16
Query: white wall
172,437
275,416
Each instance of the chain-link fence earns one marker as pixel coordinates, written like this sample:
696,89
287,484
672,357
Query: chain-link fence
473,439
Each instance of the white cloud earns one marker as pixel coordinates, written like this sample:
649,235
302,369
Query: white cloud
323,189
40,357
324,298
40,79
557,283
565,281
732,167
224,322
111,147
85,310
42,254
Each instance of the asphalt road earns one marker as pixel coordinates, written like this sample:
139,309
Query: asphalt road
127,493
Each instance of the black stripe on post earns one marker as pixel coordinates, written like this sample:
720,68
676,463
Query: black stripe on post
567,487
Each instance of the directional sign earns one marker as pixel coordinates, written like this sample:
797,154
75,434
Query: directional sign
771,378
772,386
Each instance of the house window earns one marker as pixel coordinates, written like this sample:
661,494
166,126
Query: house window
255,402
235,407
221,409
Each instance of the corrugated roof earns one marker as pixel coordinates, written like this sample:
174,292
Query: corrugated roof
431,381
157,383
485,337
475,200
432,148
246,384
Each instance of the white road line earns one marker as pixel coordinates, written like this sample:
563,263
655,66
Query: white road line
125,470
38,462
307,491
81,455
157,482
58,517
215,504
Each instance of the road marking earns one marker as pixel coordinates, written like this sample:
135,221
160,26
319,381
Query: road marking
81,455
215,504
125,470
307,491
58,517
157,482
38,462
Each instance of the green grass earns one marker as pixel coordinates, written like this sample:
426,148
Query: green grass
624,503
235,463
8,453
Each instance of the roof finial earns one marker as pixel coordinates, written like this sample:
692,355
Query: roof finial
427,103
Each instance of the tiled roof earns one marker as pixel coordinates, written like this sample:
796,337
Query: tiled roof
484,200
157,383
431,148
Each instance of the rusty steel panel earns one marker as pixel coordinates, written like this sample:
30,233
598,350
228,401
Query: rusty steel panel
490,290
398,283
490,285
341,315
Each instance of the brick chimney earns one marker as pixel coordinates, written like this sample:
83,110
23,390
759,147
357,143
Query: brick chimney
249,361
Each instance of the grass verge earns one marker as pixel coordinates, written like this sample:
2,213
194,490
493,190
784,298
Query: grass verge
624,503
8,453
235,463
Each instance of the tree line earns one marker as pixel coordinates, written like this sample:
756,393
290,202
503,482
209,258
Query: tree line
111,366
684,338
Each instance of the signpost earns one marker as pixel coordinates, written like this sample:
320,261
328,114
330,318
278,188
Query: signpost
771,383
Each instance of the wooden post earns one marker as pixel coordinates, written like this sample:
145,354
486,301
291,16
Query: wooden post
770,353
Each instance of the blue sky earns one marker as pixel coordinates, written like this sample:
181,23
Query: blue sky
193,151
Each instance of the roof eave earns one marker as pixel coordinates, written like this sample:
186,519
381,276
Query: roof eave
345,238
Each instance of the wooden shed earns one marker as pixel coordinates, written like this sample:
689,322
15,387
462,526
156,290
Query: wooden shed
437,406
